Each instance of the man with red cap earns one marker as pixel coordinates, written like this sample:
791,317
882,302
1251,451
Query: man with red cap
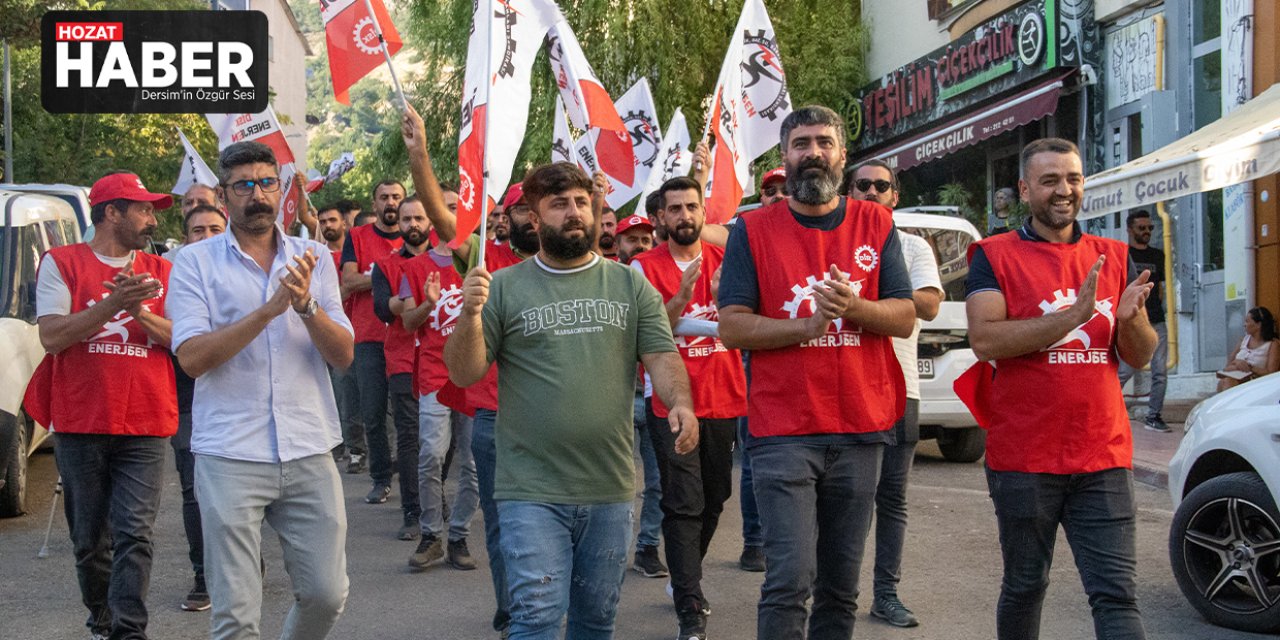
101,315
634,237
773,187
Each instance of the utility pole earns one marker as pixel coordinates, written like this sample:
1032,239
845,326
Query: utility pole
8,117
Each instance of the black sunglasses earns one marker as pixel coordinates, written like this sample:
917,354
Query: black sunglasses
883,186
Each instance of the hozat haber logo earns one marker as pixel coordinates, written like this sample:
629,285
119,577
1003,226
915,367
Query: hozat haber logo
154,62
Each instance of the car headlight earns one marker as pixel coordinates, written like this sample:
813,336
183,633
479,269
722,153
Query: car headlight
1193,417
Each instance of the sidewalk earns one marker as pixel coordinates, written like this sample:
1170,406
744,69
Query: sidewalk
1152,450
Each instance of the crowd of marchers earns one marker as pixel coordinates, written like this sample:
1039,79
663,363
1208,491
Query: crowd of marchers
533,362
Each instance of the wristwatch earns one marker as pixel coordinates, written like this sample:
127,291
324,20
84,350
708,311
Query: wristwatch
309,311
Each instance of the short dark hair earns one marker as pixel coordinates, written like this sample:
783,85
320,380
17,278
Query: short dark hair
1140,213
328,207
365,214
98,212
413,197
200,208
386,182
678,183
652,203
811,115
550,179
1044,145
875,162
448,186
347,206
242,153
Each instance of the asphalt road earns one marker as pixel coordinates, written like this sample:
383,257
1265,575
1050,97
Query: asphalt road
951,575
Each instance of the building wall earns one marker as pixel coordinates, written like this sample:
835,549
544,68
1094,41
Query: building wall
900,31
287,74
1266,72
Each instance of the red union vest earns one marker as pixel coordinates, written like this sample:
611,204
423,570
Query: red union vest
715,372
847,381
116,382
431,372
369,247
399,345
1059,410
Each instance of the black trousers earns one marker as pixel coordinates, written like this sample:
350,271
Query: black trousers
404,412
695,487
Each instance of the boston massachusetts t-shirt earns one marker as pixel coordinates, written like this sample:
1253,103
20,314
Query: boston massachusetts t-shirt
566,343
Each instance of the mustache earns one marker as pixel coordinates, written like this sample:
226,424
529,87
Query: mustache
814,163
570,225
256,208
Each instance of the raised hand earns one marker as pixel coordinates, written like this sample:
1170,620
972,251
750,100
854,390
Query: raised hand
129,290
431,290
298,282
1087,295
715,284
475,290
834,295
413,130
1134,299
690,278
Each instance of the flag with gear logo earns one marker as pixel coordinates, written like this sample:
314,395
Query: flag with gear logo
352,41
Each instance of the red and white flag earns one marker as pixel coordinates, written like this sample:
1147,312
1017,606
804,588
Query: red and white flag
750,103
194,170
674,159
561,139
506,36
352,41
588,104
640,117
264,128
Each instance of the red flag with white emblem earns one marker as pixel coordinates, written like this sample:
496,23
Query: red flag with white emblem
352,41
506,36
588,104
751,101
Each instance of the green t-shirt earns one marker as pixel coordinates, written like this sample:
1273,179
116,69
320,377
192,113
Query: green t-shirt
566,343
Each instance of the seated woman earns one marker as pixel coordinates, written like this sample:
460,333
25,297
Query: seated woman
1258,354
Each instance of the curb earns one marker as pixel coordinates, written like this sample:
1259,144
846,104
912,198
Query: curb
1151,475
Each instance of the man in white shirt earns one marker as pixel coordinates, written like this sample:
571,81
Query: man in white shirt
875,181
256,317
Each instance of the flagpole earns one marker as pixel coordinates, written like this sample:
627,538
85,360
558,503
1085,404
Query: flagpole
484,148
404,103
706,122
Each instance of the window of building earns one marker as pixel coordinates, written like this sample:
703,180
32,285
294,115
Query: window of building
1206,78
939,9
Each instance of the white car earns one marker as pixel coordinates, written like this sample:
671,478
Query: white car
943,349
1224,544
29,225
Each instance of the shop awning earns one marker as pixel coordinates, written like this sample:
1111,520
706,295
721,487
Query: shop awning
1241,146
1011,113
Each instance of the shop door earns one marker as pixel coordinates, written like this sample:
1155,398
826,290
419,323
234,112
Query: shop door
1211,307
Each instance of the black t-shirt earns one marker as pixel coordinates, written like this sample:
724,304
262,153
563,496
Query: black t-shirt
1151,259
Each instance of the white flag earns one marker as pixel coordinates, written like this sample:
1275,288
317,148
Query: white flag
750,103
506,36
194,170
561,141
638,113
588,104
341,165
675,157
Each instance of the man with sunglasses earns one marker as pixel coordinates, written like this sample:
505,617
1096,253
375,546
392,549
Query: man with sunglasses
773,187
263,417
874,181
1148,258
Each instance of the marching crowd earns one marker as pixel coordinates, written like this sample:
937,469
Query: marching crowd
532,364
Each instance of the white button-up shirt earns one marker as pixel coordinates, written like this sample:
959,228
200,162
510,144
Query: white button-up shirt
272,401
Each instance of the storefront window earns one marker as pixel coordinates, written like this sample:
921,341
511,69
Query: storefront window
1208,87
1211,230
1206,20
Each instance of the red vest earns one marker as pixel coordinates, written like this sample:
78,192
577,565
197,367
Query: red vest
431,372
847,381
116,382
1059,410
369,247
337,264
399,345
715,372
484,394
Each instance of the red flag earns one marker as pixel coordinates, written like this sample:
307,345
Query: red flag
352,41
973,388
588,104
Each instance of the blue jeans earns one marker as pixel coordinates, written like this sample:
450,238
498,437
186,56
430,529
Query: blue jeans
485,452
815,505
891,502
112,488
1097,513
651,509
1159,370
564,559
404,412
186,464
370,367
751,535
438,427
347,395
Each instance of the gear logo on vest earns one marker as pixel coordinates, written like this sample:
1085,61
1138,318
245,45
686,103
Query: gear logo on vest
866,258
444,317
1089,343
802,298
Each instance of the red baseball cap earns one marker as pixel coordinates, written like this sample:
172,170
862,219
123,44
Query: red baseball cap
515,194
779,173
630,222
126,186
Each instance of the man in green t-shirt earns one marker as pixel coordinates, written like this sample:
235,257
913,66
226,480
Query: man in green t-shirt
566,329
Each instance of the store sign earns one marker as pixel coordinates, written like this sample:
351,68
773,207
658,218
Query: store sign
154,61
1135,61
1006,51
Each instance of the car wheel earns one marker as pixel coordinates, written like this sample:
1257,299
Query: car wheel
962,445
1224,546
13,495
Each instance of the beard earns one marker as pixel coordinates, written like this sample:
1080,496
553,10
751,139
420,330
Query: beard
813,189
606,240
416,237
626,258
390,216
524,238
331,234
136,241
258,217
501,234
558,244
1043,212
686,233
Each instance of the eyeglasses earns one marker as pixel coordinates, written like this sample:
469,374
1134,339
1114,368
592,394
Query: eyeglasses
245,187
883,186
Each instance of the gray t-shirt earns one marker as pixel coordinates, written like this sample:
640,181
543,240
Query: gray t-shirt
566,343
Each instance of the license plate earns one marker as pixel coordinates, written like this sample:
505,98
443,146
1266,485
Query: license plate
925,367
